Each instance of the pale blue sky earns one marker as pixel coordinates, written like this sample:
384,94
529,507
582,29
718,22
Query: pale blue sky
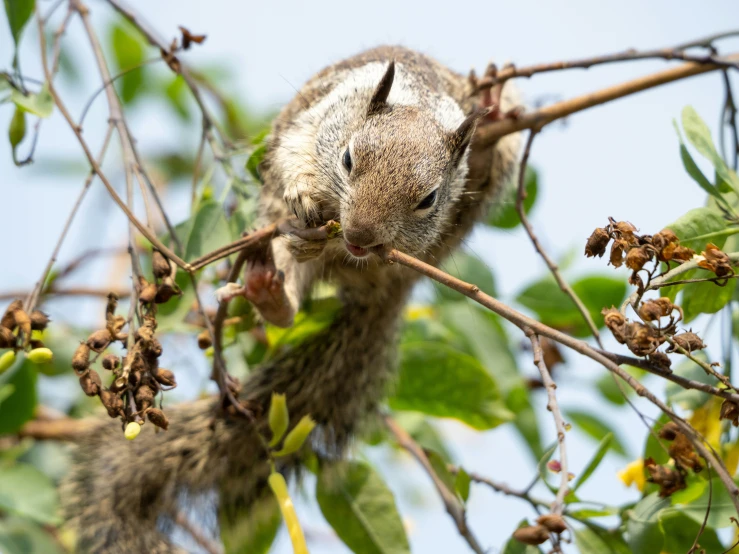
618,160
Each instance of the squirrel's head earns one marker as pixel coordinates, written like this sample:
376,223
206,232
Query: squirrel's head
401,173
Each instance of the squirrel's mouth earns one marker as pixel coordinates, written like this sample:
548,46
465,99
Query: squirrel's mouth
356,251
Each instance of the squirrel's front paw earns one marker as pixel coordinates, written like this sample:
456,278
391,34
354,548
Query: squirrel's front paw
265,289
305,206
302,249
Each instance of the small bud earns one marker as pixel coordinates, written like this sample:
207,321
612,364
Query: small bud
7,360
90,383
132,430
597,243
7,338
40,356
279,418
297,436
158,418
554,466
553,522
81,359
39,320
160,265
99,340
204,341
111,362
533,535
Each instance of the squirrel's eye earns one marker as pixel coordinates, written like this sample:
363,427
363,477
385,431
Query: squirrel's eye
347,160
428,201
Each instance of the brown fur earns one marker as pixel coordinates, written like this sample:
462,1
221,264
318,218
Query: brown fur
121,495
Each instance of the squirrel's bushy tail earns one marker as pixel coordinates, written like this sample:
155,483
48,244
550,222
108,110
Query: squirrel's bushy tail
123,496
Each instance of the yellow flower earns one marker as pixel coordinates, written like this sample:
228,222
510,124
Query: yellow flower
415,312
707,421
633,474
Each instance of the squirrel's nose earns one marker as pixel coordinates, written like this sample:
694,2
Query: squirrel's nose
360,235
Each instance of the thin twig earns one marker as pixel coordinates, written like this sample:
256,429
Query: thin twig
553,406
32,299
551,264
197,535
453,506
487,135
524,322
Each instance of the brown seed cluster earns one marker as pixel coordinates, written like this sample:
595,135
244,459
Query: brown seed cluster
16,327
672,478
137,379
539,533
718,262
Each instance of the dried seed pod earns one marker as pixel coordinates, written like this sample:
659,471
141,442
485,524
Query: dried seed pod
111,362
99,340
652,310
144,397
553,522
636,258
164,376
597,243
617,252
147,291
660,359
157,417
164,293
642,339
8,319
154,348
682,254
7,338
39,320
668,479
36,343
81,359
160,265
681,450
616,322
533,534
119,385
112,402
204,340
716,261
730,411
688,341
91,383
23,322
669,431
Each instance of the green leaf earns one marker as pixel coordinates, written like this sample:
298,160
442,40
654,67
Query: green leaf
250,531
700,226
689,399
592,465
361,509
19,406
128,48
22,536
18,13
469,268
25,491
722,508
252,164
643,532
316,317
542,468
705,298
442,471
209,230
596,540
699,136
596,428
680,532
17,131
178,95
480,334
462,484
692,169
40,104
504,214
554,308
607,386
438,380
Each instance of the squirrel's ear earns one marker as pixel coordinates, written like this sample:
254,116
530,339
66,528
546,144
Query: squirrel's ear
379,98
460,139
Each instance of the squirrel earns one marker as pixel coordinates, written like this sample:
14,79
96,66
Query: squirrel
383,143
